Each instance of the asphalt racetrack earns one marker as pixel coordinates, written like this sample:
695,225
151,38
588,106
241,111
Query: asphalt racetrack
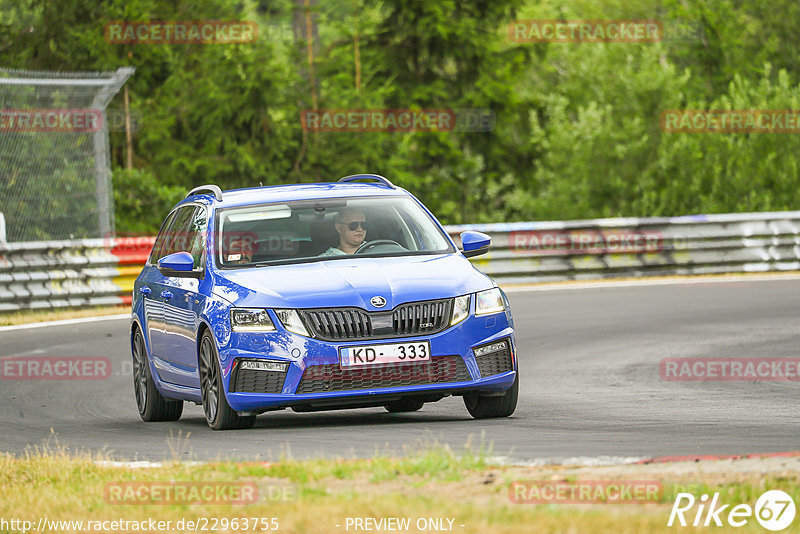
590,387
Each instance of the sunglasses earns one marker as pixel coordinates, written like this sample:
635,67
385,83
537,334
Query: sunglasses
352,226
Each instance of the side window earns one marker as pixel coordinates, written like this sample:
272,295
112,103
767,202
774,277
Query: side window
421,242
198,237
178,239
158,246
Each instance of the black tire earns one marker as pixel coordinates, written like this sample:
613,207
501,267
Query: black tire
151,404
489,407
404,405
219,414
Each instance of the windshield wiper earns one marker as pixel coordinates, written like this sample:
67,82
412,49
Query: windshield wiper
312,259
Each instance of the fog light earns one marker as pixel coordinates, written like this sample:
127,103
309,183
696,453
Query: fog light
260,365
490,348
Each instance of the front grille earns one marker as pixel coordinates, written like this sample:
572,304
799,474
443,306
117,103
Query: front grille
495,363
330,377
411,319
257,381
341,323
421,317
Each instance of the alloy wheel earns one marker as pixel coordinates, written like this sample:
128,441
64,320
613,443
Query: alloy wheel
209,383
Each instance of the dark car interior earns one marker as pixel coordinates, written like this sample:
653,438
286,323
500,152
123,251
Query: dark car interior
307,234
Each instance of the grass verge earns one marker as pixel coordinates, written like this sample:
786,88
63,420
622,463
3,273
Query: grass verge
435,489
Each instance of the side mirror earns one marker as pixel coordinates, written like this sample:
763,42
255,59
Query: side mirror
177,264
474,243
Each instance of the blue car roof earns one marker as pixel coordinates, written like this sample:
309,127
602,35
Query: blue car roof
292,192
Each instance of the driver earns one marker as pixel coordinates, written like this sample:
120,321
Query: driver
351,225
240,252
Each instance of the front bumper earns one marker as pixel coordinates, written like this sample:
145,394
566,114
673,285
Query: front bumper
306,355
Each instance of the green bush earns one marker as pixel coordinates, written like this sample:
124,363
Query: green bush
577,131
141,201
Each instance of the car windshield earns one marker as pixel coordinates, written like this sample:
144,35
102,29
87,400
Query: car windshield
315,230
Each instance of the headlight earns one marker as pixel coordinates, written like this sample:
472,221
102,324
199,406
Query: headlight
460,309
292,322
251,320
489,301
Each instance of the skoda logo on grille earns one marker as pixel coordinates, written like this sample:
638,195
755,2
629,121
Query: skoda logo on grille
378,301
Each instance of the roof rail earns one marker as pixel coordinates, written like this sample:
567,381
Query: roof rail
209,187
373,177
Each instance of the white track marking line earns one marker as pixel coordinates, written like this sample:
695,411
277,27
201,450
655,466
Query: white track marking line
557,286
578,461
64,322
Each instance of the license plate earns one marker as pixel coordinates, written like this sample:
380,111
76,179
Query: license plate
365,355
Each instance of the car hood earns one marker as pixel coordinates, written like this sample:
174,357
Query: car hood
351,282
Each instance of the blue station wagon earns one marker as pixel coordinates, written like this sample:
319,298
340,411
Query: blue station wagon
320,296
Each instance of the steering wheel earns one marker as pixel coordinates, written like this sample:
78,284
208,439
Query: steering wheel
371,244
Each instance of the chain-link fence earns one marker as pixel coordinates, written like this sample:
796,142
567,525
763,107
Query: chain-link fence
55,175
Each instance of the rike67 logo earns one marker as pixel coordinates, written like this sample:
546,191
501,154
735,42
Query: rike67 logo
774,510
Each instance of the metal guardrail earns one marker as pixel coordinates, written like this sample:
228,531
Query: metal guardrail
636,247
101,271
70,274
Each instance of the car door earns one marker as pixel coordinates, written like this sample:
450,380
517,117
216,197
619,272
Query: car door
183,302
151,288
162,291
